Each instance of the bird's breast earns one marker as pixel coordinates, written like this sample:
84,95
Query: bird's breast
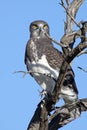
42,66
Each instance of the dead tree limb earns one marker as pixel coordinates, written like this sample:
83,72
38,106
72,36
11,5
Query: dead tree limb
82,69
62,115
71,11
67,114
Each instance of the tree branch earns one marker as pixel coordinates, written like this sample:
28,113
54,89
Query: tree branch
82,69
68,113
71,11
62,116
52,39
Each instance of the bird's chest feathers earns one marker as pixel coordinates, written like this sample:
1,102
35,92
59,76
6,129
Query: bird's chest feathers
34,50
38,47
39,64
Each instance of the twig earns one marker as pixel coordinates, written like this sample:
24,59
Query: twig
82,69
33,72
24,72
68,106
52,39
65,116
71,37
68,2
82,52
62,4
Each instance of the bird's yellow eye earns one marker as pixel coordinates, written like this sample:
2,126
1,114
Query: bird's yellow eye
34,26
45,26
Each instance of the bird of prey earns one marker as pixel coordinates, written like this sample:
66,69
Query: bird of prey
43,61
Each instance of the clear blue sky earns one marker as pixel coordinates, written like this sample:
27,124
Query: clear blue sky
19,96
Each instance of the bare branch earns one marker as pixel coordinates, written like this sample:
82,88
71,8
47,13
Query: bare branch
24,72
52,39
68,2
82,52
70,38
32,72
67,113
69,13
82,69
62,115
43,117
70,17
71,10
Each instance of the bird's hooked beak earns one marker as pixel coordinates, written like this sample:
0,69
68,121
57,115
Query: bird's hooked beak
41,30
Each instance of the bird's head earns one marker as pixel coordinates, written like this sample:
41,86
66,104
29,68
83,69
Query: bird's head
38,29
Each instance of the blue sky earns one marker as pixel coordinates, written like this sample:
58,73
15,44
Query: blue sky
19,96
